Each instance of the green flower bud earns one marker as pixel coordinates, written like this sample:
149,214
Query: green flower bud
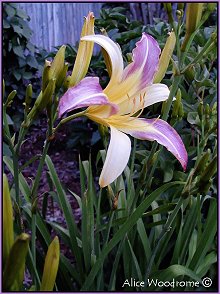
180,111
10,98
84,52
8,233
3,88
190,74
211,6
14,270
202,163
45,76
42,101
200,110
57,65
176,104
193,17
62,76
180,6
210,170
28,98
207,110
51,266
66,83
165,58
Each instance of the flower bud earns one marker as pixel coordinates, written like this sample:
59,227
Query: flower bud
202,163
211,6
190,74
8,233
210,170
84,53
180,6
200,110
42,101
62,76
193,17
10,98
176,104
28,98
207,110
57,65
51,266
3,88
14,270
45,76
165,57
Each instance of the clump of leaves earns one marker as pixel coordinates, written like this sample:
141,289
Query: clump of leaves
20,57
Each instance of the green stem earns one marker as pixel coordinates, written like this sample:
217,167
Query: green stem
33,245
173,91
39,170
166,228
186,49
208,46
69,118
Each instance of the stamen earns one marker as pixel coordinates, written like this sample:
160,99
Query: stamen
155,120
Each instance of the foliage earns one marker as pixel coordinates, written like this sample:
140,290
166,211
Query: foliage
154,221
22,61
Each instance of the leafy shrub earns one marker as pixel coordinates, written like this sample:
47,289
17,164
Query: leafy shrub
21,59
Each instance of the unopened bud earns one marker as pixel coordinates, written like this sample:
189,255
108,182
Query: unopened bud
193,17
57,65
200,110
42,101
45,76
14,270
180,111
62,76
180,6
84,53
211,6
202,163
8,233
10,98
66,83
210,170
115,200
51,266
207,110
176,104
165,57
28,98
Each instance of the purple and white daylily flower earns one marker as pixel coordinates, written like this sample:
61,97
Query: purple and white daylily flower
128,92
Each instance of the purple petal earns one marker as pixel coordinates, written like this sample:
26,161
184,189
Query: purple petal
86,93
145,57
164,134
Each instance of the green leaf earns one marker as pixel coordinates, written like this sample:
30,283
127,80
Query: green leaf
193,118
171,273
67,211
17,75
125,228
23,186
207,237
17,29
27,75
9,10
18,51
21,13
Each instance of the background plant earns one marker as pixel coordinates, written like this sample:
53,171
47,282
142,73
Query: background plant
133,228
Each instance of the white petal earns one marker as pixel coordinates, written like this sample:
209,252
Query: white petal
114,53
149,96
117,157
